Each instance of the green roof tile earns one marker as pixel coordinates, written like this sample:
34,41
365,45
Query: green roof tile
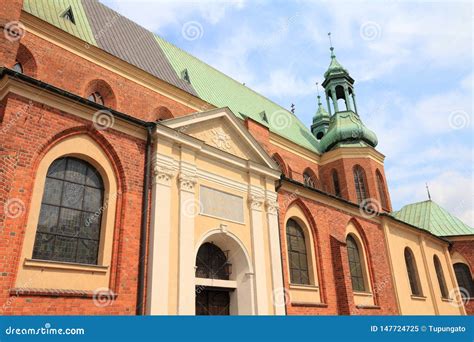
430,216
222,91
51,11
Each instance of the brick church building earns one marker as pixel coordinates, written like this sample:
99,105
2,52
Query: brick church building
136,179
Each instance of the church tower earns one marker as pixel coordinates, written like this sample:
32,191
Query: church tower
345,127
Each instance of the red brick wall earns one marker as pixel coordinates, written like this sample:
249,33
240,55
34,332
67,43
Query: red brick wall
67,71
28,130
466,249
9,17
329,228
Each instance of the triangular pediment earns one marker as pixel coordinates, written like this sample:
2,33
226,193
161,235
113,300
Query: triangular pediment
220,128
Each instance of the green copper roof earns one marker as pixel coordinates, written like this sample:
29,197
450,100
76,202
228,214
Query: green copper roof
51,11
222,91
346,128
321,113
335,68
430,216
210,85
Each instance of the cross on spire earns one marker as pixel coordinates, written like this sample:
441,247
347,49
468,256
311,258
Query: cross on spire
428,191
293,108
317,91
330,44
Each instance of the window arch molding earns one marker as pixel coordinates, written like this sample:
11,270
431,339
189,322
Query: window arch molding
104,90
297,212
360,183
353,230
84,147
27,61
281,164
310,179
413,274
382,190
441,278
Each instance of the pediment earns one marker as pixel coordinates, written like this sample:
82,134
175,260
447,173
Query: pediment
220,128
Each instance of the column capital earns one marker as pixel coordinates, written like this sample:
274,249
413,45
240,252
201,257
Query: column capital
163,174
272,206
256,202
187,181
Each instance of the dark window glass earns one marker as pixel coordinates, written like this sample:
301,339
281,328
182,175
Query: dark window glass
355,265
335,182
71,211
440,276
412,273
96,97
18,67
382,193
297,254
308,180
464,278
211,262
360,185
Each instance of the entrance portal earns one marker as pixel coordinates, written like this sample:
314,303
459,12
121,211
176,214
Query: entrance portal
213,302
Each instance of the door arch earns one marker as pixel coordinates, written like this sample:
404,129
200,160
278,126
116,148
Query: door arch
233,265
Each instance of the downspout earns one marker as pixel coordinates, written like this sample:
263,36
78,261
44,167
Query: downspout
144,221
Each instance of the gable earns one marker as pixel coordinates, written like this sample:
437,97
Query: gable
219,128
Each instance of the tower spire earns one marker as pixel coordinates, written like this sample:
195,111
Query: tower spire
330,45
428,191
319,97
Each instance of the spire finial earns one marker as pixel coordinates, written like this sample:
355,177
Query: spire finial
293,108
428,191
331,47
317,91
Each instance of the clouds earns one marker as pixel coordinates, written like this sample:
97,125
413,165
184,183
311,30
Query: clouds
412,62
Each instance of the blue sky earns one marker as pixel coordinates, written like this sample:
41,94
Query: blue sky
412,62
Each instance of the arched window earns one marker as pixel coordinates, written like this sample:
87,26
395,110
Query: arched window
412,273
335,183
440,276
381,188
464,278
211,262
162,113
308,179
355,264
18,67
71,211
297,254
360,185
96,97
281,165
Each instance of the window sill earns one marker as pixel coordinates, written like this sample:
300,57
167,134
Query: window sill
313,305
67,266
61,293
304,287
362,294
447,300
422,298
368,307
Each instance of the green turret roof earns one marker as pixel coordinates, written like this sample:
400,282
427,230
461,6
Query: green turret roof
347,129
430,216
335,68
321,113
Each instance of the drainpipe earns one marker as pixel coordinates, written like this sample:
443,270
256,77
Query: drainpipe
144,221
